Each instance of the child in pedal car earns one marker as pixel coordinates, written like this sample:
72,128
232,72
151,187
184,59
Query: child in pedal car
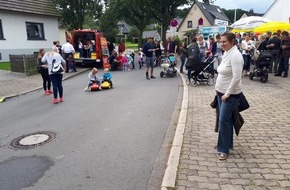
107,76
93,79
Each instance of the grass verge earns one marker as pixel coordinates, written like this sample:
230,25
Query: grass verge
5,66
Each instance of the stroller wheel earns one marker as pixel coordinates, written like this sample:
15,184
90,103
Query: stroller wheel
264,79
251,75
210,81
194,83
161,74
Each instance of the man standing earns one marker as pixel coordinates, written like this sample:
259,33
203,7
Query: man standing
148,50
172,46
274,45
285,54
67,49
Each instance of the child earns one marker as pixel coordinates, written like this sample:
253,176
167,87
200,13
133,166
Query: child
129,62
107,76
124,62
71,63
140,58
93,79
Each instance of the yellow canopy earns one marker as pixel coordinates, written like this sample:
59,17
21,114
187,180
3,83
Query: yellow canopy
272,27
240,30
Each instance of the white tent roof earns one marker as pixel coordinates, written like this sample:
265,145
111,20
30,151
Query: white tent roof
279,11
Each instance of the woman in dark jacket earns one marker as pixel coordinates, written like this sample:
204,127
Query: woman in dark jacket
193,58
183,55
43,70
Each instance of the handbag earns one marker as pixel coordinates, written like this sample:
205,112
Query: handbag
214,103
56,67
243,104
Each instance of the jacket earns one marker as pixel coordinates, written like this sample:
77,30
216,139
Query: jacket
238,120
286,42
193,56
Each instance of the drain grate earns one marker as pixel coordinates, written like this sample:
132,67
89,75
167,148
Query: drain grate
32,140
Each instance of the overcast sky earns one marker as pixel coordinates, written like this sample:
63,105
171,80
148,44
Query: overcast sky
259,6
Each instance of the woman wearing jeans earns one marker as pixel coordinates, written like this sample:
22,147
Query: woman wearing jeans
56,78
42,68
228,90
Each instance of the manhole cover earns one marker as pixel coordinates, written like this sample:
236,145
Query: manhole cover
32,140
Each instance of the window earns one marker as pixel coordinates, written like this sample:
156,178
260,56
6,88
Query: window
1,31
34,31
189,24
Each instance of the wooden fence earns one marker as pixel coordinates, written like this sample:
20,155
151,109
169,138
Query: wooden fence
24,63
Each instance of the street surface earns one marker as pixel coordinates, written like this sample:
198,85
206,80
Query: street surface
105,140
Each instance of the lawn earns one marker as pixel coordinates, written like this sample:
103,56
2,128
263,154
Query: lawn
130,45
5,66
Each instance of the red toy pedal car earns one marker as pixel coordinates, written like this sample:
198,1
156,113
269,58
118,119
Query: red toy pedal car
95,87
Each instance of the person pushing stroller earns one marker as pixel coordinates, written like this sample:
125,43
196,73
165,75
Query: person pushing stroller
193,58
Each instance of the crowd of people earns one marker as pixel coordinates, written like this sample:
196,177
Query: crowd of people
235,55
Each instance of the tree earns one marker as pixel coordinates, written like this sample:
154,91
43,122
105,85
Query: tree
231,14
164,11
132,12
108,21
73,12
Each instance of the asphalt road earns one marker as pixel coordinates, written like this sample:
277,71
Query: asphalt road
105,140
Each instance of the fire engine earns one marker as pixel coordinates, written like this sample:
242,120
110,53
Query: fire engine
90,46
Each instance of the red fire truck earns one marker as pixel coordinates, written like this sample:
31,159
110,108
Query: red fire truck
94,51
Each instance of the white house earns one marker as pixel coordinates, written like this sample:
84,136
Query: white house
200,15
26,26
279,11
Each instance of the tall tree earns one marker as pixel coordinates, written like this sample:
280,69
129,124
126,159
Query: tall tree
231,14
73,12
108,21
164,11
132,12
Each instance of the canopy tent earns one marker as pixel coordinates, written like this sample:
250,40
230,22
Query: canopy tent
248,23
272,27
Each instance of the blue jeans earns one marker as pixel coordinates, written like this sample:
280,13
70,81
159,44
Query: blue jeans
247,62
182,59
226,129
56,80
283,65
188,74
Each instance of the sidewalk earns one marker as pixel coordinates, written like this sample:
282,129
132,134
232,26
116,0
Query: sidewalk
261,155
15,84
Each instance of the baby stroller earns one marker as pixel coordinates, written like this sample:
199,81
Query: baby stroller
261,66
168,64
203,72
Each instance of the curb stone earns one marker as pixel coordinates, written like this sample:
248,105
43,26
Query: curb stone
169,177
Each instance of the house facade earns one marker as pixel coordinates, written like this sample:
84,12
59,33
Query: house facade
279,11
202,15
26,26
250,13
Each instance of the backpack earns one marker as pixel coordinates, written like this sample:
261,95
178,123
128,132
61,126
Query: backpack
193,56
56,67
193,52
